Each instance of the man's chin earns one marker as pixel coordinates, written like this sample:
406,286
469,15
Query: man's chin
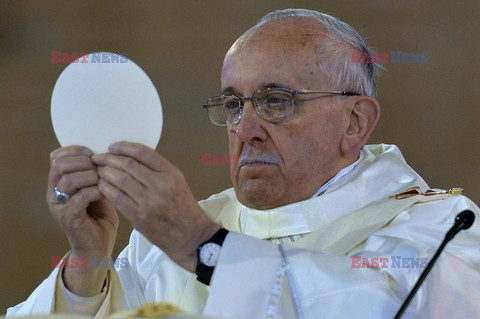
259,193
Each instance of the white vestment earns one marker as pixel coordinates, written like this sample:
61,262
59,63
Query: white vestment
355,217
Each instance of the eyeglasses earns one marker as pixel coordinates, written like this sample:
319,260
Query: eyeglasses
272,105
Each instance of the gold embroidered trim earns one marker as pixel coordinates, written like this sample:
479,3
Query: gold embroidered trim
414,191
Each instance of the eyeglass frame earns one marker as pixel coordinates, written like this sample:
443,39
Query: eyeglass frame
293,94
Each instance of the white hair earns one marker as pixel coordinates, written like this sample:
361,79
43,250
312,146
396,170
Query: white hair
336,52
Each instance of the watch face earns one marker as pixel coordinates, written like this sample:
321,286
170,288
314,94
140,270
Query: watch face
209,254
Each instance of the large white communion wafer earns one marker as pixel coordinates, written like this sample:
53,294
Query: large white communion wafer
105,98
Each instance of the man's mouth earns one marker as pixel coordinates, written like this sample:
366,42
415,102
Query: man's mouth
258,160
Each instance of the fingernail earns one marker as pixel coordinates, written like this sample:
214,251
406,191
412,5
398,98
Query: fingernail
86,152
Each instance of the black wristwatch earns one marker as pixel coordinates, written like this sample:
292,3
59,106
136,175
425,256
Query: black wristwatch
208,254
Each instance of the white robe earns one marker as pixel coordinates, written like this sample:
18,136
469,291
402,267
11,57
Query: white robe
355,216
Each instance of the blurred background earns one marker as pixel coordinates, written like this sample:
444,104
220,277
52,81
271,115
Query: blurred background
430,110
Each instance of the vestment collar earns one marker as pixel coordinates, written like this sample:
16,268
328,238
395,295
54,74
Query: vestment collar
381,172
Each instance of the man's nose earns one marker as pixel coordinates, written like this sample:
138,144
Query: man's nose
250,124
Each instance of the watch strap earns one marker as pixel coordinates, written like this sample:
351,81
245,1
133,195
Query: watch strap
204,272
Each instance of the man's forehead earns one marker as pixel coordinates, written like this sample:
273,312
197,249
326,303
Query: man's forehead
290,38
278,51
294,30
259,71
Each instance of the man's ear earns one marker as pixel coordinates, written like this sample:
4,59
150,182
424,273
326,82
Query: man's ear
364,116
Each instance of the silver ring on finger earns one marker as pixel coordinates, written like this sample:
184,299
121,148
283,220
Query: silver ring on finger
60,197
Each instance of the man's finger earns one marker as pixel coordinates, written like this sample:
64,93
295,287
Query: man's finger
65,165
75,206
144,154
123,203
122,181
84,197
68,151
72,182
129,165
73,150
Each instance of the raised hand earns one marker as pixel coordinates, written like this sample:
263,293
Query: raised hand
154,196
88,220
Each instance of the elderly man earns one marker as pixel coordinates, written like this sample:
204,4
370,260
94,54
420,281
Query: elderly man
333,228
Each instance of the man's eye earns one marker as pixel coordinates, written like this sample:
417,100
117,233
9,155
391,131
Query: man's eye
275,99
230,104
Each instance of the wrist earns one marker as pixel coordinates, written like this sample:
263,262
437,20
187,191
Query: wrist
85,282
206,234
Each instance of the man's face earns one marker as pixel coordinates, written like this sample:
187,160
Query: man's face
306,146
